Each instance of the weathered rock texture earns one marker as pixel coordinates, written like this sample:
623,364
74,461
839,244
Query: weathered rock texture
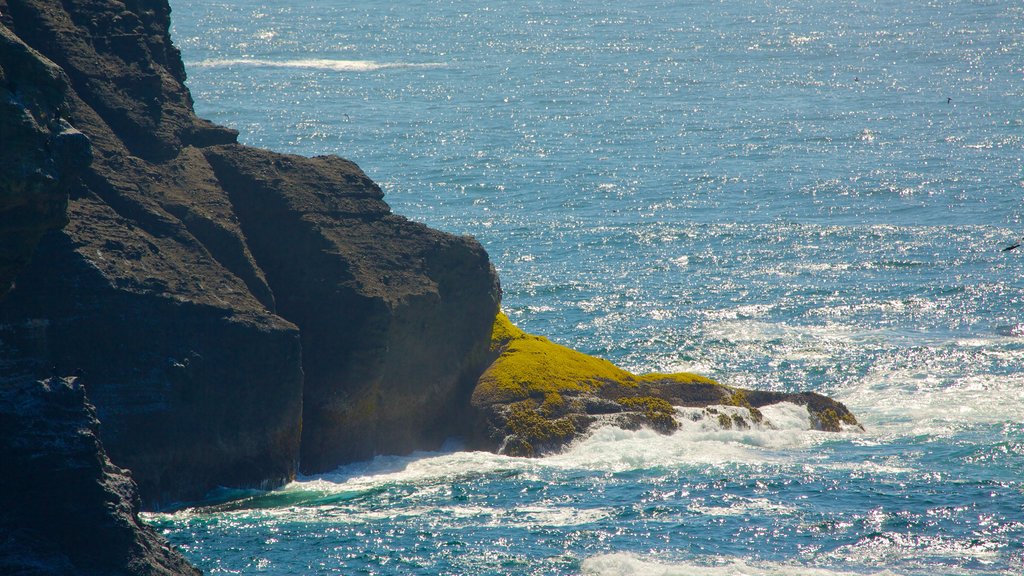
40,152
221,303
537,396
394,317
64,508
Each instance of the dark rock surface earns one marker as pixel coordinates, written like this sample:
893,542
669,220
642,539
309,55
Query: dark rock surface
64,508
40,152
394,317
220,303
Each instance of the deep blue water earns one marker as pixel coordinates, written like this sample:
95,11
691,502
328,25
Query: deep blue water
778,194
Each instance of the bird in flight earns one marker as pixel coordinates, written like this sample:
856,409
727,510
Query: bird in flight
1017,245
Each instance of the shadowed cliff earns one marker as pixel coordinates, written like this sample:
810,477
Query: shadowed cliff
64,507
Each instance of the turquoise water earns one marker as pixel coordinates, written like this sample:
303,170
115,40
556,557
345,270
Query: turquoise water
781,195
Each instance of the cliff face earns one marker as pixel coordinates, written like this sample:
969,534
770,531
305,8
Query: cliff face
221,303
64,508
394,317
40,152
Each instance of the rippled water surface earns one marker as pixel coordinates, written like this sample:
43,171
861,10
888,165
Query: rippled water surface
781,195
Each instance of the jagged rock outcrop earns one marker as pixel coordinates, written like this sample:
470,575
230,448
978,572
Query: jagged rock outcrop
221,303
64,508
537,396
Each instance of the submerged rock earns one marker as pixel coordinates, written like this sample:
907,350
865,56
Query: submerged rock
537,396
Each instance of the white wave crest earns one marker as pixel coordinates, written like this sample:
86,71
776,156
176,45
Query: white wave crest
329,64
701,441
916,400
419,467
630,565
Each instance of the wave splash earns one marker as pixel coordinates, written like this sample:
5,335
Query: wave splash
699,442
329,64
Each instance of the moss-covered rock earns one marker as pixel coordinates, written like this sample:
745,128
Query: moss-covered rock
532,432
532,367
537,396
658,412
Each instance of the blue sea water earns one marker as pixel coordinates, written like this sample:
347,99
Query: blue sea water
779,194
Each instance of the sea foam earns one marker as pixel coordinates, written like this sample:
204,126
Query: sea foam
700,441
312,64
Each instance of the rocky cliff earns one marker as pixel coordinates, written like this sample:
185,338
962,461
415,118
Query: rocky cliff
64,507
41,154
222,305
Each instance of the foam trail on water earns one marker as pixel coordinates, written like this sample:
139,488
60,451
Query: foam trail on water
417,468
631,565
312,64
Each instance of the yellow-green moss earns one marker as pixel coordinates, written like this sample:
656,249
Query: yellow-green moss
534,367
649,405
533,430
738,398
553,405
504,331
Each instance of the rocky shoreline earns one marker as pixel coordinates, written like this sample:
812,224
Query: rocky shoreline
538,396
232,315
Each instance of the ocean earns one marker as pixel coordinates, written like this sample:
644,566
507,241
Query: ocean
779,194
